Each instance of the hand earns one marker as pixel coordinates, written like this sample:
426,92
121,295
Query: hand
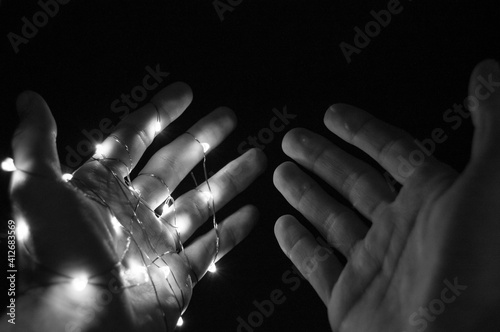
430,258
102,230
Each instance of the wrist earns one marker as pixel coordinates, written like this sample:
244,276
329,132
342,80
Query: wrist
52,302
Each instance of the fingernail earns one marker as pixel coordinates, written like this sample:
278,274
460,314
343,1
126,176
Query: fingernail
332,113
332,109
306,139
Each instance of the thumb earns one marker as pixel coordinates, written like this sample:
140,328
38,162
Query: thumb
484,105
34,143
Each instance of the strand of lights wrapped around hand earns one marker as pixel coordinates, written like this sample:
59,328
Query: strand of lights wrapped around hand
133,273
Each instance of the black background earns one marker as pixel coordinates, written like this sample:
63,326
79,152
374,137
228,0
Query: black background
263,55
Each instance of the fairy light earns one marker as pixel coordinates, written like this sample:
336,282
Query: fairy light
8,165
212,268
182,220
116,224
67,177
208,196
166,271
157,126
205,147
136,273
210,200
80,283
22,231
99,149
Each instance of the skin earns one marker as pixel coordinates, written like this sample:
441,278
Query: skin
60,217
440,226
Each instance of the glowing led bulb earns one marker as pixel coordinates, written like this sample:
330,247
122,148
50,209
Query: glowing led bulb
99,149
212,268
137,274
66,177
180,322
22,231
205,147
116,224
166,271
157,126
79,283
134,190
8,165
208,196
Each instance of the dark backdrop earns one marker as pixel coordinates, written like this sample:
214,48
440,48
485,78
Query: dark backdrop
263,55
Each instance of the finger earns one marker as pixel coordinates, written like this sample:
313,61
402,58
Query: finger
231,232
34,142
391,147
136,132
173,162
339,225
360,183
315,262
484,104
193,208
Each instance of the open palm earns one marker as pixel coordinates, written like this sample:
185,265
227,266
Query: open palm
430,258
99,255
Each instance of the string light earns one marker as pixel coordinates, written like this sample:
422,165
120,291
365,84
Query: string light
80,283
116,224
22,231
205,147
212,268
67,177
8,165
99,149
166,271
157,126
137,273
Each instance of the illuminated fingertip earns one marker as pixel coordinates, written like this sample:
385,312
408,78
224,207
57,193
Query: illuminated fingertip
180,322
79,283
67,177
212,268
132,189
205,147
8,165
